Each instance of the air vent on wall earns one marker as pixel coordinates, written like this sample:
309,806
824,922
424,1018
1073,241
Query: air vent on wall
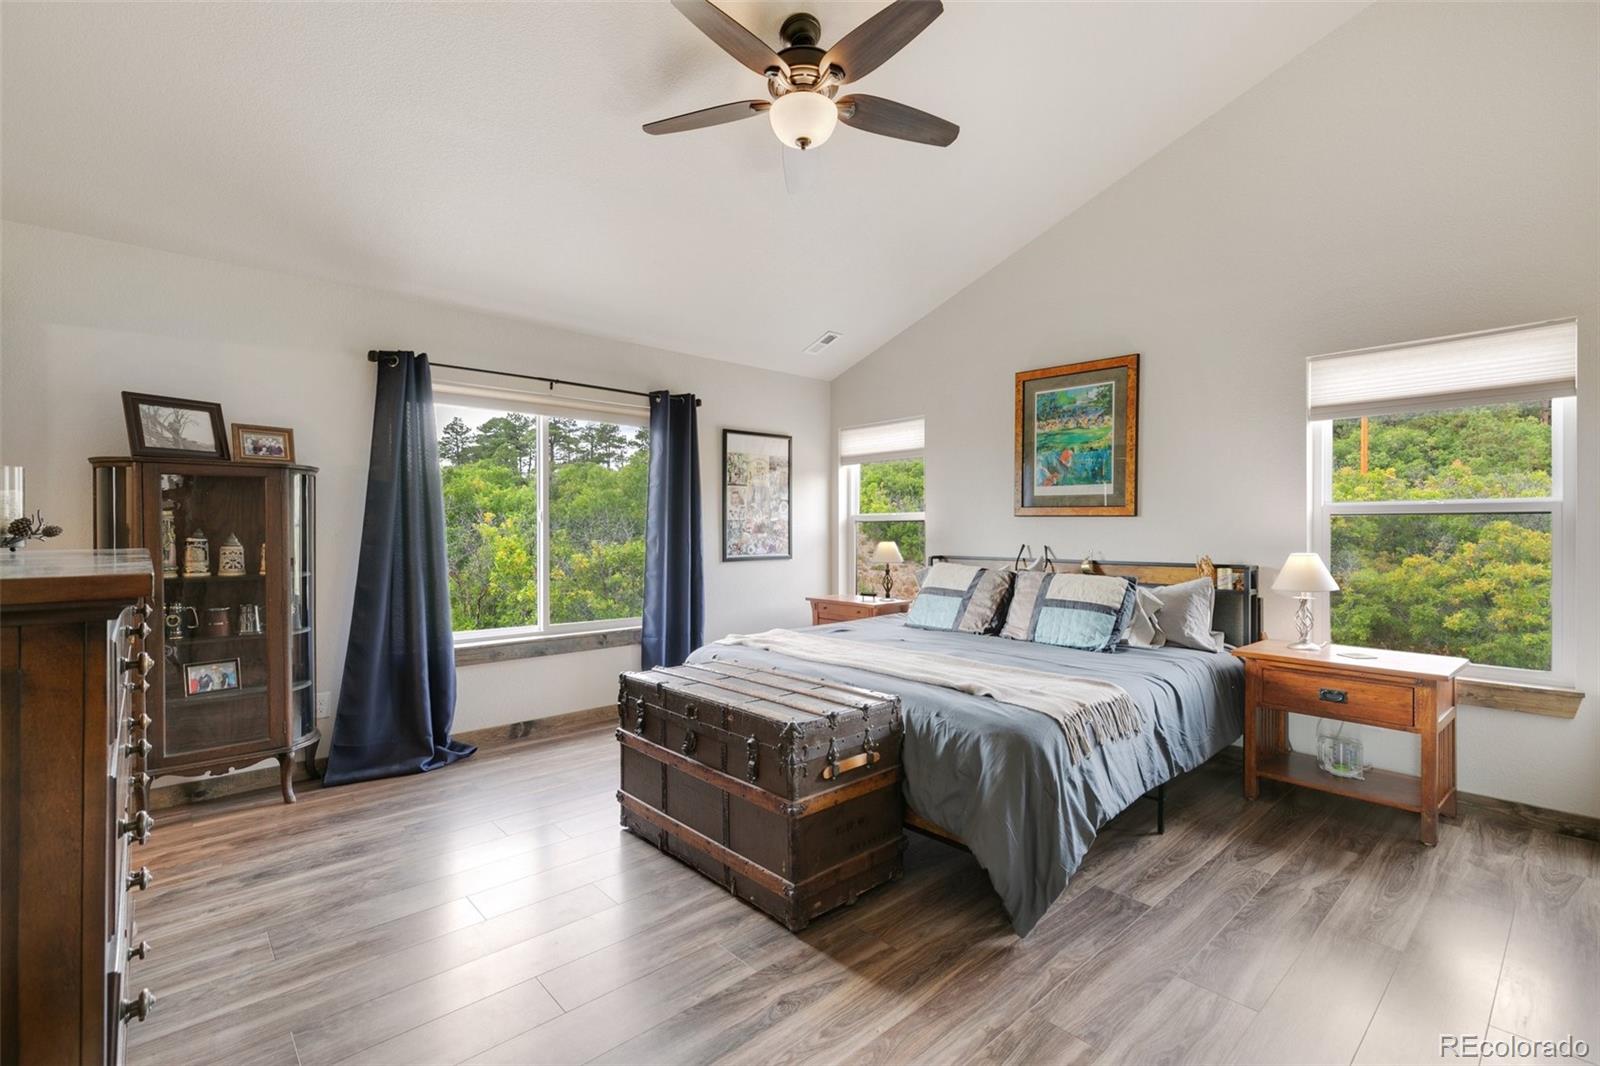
822,343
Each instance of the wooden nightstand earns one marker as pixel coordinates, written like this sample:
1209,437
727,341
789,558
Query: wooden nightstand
849,608
1388,689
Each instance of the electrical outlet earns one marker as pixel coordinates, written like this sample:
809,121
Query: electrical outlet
324,710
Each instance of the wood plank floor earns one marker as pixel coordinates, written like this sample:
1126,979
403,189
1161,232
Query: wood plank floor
493,912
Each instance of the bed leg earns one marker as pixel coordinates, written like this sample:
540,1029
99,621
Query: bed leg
1161,808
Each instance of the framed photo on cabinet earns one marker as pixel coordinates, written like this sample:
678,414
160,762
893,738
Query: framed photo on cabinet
756,509
1077,439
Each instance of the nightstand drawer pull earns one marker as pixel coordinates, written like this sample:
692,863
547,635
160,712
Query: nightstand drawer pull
1333,695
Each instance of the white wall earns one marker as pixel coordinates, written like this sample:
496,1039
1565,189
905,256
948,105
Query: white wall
84,319
1424,170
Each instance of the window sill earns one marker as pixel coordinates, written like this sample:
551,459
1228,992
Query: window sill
1543,700
538,645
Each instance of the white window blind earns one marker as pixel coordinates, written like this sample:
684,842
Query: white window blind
884,440
1500,366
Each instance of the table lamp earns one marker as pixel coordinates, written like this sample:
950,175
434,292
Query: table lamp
887,552
1304,575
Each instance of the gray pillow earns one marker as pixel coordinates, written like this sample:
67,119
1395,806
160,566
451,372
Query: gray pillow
1184,617
1142,630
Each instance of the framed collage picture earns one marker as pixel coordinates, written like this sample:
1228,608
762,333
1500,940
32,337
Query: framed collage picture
756,508
1077,439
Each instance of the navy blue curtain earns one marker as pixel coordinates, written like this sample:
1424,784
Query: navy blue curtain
674,587
398,697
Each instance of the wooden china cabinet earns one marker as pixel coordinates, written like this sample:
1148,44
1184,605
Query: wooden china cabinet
234,618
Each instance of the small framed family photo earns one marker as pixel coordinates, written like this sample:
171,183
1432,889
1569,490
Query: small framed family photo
217,676
265,444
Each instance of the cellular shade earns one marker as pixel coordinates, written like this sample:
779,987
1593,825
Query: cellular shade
884,440
1522,363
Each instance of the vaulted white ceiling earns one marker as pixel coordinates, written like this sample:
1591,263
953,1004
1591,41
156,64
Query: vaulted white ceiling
491,156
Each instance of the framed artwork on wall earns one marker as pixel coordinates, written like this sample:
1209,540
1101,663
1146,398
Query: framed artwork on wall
1077,439
755,495
166,427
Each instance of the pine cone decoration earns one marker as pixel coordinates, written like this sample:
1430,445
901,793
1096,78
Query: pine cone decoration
50,531
19,527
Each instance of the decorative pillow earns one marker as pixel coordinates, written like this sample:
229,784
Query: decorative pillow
960,599
1090,612
1184,616
1143,632
1026,589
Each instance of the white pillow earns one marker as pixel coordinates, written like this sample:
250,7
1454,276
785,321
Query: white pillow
1184,615
1143,631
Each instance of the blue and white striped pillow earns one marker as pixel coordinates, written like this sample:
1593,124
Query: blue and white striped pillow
1090,612
957,598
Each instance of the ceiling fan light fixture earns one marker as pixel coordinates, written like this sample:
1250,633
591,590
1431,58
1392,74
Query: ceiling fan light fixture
803,119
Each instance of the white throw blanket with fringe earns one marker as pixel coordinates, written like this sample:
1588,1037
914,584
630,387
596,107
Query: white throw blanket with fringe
1087,709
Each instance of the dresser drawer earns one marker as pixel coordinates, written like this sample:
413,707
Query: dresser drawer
1355,699
839,612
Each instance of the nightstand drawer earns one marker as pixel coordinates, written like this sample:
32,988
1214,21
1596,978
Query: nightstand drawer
1353,699
838,612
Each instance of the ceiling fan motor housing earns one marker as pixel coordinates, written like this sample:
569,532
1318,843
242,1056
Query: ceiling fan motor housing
801,30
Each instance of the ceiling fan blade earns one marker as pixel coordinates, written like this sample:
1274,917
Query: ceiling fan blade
709,116
874,114
731,36
865,48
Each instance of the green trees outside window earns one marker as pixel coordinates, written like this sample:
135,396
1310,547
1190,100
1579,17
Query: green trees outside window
597,497
1473,584
893,487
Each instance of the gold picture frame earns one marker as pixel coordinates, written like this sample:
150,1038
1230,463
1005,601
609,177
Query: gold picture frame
263,444
1077,439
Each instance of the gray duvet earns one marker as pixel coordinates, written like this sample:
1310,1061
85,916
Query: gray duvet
1000,777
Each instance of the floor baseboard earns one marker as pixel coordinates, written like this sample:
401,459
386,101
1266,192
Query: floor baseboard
489,741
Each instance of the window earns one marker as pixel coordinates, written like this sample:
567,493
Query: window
544,516
1441,476
881,481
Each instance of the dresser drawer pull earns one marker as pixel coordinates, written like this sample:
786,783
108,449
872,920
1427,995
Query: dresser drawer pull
138,632
1333,695
139,724
141,879
138,827
140,951
138,664
137,1010
139,748
136,684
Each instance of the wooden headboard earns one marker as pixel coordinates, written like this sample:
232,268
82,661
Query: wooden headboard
1237,613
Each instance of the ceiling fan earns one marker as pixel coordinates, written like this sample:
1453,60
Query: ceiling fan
804,79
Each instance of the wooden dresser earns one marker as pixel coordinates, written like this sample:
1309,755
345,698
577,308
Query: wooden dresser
850,608
72,747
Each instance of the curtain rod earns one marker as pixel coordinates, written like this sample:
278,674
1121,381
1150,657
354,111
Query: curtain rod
374,356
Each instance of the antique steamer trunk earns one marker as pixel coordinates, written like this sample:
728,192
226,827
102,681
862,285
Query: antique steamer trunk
782,788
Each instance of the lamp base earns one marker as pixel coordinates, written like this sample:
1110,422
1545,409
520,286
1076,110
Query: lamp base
1304,621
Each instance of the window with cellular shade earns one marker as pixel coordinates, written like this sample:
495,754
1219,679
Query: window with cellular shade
1522,363
881,441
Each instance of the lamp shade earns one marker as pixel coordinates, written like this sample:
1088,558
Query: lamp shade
1304,572
803,119
887,551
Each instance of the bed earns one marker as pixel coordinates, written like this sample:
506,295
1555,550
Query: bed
999,779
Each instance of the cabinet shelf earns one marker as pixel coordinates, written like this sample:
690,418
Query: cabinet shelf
201,699
226,579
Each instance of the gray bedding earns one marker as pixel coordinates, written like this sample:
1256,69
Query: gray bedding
999,776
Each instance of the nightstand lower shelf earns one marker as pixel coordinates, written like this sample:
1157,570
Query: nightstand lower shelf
1385,787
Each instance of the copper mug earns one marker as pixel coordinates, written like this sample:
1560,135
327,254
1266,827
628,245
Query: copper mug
217,622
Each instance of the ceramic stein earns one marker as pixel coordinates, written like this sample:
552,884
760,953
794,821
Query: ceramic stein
230,558
176,623
217,624
197,555
249,619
